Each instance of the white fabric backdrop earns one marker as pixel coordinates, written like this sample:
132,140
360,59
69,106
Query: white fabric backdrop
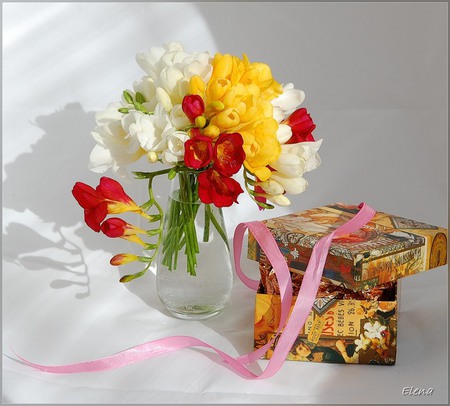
375,77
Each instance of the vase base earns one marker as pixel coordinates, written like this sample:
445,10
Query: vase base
195,312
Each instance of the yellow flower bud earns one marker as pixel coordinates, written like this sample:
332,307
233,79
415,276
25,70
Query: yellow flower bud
211,131
122,259
216,105
200,121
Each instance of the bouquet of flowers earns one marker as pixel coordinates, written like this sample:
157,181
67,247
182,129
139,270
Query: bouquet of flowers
205,118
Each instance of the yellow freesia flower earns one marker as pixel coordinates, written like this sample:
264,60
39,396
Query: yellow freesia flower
237,99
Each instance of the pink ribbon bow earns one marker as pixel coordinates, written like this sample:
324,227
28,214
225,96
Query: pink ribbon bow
288,329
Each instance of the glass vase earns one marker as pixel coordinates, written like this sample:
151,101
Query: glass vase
194,274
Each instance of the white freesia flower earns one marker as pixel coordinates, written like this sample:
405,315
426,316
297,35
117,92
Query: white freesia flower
296,159
163,98
152,61
287,102
146,129
175,147
306,151
169,71
146,87
124,137
293,162
177,117
114,149
289,165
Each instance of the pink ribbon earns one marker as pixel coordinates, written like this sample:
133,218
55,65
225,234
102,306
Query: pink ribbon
287,335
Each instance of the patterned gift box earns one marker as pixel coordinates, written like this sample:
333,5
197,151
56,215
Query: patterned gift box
354,317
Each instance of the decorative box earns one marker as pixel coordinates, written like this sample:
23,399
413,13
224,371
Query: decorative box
354,317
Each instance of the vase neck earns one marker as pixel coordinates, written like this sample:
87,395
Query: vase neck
184,187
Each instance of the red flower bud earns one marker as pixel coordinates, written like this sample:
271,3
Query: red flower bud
228,154
198,152
115,227
122,259
302,126
260,190
194,132
220,190
193,106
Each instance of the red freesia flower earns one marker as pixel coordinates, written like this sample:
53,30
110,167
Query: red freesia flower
193,106
198,152
228,154
220,190
94,205
108,198
302,126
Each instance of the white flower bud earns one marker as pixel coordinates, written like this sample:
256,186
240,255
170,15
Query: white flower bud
293,186
272,187
152,157
279,200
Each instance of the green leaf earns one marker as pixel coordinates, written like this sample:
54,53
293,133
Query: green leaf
140,97
127,96
123,110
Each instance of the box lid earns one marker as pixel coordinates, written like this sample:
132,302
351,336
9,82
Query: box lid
389,247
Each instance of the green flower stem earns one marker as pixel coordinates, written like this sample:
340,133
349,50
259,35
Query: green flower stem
207,223
248,181
158,231
150,175
217,225
180,229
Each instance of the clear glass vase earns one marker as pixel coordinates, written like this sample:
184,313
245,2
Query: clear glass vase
194,274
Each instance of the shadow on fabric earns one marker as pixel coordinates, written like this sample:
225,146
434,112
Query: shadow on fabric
37,190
